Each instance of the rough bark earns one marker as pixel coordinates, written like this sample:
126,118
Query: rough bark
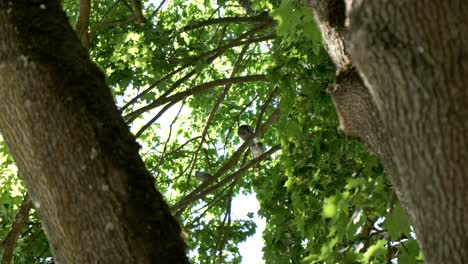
356,109
80,163
409,104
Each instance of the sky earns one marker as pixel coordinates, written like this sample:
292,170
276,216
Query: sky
250,250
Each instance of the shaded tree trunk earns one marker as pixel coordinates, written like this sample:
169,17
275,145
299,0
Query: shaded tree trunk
80,163
402,88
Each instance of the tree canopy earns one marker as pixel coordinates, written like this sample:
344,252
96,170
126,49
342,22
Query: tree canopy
185,75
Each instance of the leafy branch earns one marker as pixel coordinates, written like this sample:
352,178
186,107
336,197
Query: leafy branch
210,56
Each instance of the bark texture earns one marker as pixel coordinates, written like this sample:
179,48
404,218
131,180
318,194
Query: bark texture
80,163
402,88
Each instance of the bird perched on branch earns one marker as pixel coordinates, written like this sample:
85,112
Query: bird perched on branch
245,132
256,149
203,176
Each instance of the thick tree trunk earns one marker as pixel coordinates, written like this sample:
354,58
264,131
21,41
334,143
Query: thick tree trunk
78,160
408,100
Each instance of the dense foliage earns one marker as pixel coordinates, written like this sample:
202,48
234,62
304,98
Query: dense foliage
185,79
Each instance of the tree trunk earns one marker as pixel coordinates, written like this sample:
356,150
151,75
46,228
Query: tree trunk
80,163
402,88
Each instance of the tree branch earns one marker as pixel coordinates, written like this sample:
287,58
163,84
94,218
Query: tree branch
196,194
216,105
112,23
264,107
83,22
181,205
210,56
137,11
137,15
352,99
223,94
9,243
154,119
158,8
226,20
196,90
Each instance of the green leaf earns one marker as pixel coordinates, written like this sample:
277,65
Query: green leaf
329,209
288,17
397,223
409,252
375,250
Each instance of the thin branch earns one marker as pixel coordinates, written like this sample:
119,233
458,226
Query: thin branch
226,20
182,146
109,10
161,159
269,122
207,207
265,105
130,118
223,237
223,94
223,32
93,31
216,105
137,15
21,218
113,23
158,8
127,5
207,160
154,119
196,90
